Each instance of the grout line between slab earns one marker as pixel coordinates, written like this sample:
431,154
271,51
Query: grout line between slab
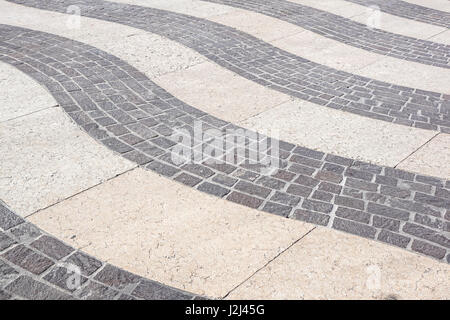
80,192
28,114
420,147
268,262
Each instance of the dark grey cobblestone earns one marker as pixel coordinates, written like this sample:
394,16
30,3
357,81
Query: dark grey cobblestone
409,11
353,33
361,198
277,69
36,266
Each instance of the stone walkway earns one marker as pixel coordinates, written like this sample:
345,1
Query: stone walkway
89,159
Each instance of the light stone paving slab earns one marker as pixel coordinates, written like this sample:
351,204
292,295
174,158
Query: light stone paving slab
399,25
341,133
331,265
328,52
388,22
331,53
194,8
432,159
17,88
221,93
150,53
263,27
168,232
46,158
443,37
341,8
390,69
441,5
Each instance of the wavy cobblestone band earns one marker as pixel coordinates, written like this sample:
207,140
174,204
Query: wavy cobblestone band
120,107
409,11
35,265
274,68
349,32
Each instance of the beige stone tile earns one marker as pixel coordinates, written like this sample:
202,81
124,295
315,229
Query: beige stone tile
432,159
339,132
220,92
399,25
194,8
20,95
46,158
258,25
149,53
322,50
339,7
401,72
443,37
327,264
388,22
171,233
441,5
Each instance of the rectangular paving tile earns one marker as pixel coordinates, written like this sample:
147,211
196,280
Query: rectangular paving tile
171,233
432,159
327,264
14,103
222,94
46,158
325,129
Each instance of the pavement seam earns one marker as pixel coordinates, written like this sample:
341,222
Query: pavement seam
29,114
268,262
82,191
419,148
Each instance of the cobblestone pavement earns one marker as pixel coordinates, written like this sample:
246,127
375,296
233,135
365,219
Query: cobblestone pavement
349,32
35,265
275,68
410,11
125,111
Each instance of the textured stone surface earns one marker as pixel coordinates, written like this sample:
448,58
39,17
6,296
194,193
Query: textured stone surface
146,114
320,267
340,132
411,11
194,243
212,94
40,270
348,31
13,81
432,159
388,22
46,158
150,53
351,93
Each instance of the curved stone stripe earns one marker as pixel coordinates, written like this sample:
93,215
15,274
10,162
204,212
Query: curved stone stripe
348,31
36,266
320,49
440,5
277,69
127,112
410,11
226,95
384,21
